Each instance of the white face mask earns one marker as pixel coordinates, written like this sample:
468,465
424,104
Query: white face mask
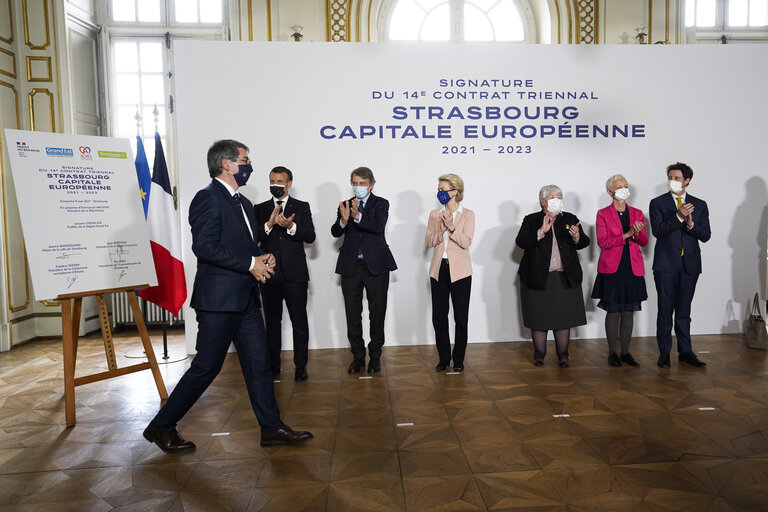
622,194
675,186
554,205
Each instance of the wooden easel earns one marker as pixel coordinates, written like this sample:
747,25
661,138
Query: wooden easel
70,327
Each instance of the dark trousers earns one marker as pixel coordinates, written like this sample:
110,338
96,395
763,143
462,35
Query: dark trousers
459,292
215,332
675,293
376,291
273,293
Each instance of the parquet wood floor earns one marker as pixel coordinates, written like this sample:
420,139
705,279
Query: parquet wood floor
501,436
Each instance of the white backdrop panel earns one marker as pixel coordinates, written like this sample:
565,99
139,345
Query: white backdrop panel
704,105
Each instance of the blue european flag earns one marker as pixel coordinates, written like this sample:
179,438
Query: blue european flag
142,172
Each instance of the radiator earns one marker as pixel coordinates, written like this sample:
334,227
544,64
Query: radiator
153,315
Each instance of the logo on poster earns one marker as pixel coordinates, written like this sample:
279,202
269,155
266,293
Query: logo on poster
66,152
22,149
85,152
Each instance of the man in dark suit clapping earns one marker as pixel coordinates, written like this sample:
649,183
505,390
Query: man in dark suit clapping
285,225
226,302
364,264
679,222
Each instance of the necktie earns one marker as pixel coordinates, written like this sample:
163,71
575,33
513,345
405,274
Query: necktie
679,203
237,199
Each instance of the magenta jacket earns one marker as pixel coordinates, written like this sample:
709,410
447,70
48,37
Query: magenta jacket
610,240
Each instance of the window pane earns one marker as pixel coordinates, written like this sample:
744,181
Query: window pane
437,25
126,122
705,13
124,10
125,57
477,27
149,121
210,11
758,13
186,11
485,5
152,90
405,22
690,13
428,5
149,10
127,89
737,13
507,22
149,144
151,57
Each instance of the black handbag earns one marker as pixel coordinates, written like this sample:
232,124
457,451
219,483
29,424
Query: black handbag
754,329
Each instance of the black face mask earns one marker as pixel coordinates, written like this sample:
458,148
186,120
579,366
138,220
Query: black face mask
277,190
243,173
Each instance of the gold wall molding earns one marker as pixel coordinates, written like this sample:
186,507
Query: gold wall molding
269,20
12,71
51,303
11,307
32,121
46,68
559,26
46,26
588,16
337,20
10,38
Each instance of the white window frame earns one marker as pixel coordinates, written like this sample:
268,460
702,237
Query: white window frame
714,34
523,7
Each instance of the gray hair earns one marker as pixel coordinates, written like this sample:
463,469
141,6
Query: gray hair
613,179
548,189
364,173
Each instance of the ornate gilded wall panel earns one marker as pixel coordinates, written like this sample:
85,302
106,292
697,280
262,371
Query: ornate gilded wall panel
587,13
41,111
338,20
17,290
36,35
6,23
7,63
39,69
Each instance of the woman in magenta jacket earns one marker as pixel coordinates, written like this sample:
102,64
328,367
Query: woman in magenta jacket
620,282
449,231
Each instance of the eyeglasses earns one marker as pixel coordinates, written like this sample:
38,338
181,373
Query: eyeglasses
245,160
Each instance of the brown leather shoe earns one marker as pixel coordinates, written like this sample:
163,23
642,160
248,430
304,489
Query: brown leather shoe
285,435
169,442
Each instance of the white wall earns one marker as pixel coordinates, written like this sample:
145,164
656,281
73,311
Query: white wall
689,111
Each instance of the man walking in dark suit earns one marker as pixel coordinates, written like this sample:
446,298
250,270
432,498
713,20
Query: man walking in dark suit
285,225
678,221
364,264
226,302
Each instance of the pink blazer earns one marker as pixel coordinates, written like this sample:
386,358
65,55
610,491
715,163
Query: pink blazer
610,240
458,243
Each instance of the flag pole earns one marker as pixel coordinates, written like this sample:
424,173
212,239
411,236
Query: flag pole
166,321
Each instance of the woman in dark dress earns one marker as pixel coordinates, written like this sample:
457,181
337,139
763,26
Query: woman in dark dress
550,274
620,284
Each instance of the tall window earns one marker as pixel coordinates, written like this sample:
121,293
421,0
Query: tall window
734,19
140,35
459,20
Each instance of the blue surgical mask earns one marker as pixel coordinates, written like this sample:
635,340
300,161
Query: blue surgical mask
360,192
443,196
243,173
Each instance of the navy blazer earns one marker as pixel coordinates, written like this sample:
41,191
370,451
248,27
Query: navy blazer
287,249
673,236
366,237
224,248
534,267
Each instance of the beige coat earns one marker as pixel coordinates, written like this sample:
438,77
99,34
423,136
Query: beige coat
458,243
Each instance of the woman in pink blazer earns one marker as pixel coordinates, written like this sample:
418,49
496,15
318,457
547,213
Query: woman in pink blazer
450,230
620,282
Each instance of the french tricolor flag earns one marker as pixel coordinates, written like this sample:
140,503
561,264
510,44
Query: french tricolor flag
171,290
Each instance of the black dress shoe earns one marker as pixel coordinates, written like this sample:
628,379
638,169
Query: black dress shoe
613,359
458,368
627,358
440,367
374,365
285,435
691,359
663,361
538,362
563,363
301,373
356,365
169,442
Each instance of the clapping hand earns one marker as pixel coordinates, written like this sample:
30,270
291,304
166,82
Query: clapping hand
546,223
353,211
344,211
273,217
285,222
447,218
573,230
